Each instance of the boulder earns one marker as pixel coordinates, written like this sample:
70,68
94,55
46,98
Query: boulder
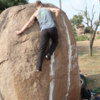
80,31
80,26
98,32
19,80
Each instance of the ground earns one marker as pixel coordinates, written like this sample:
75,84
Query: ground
90,66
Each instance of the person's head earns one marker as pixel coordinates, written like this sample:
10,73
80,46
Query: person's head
38,4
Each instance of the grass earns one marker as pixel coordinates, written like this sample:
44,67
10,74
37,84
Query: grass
91,81
86,60
97,89
98,37
81,38
90,66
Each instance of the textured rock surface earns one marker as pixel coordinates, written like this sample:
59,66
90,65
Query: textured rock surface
59,79
80,29
98,32
80,26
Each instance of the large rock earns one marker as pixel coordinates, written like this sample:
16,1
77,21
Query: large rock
98,32
80,29
59,79
80,26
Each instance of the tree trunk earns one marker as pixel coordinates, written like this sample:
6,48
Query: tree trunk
92,37
90,47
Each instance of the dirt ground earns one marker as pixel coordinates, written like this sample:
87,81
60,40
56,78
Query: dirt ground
90,66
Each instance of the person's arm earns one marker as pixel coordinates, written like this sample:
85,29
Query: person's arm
55,10
27,24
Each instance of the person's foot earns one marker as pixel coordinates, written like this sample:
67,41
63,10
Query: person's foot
48,57
38,70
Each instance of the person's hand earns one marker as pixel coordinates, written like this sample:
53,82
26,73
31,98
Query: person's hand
18,32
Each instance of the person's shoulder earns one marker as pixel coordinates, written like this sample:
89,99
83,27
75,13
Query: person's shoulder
48,8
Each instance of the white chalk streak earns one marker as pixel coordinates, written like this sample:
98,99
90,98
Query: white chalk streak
51,66
70,54
51,74
51,90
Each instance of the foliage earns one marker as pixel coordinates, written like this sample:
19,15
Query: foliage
97,89
81,38
76,20
9,3
98,37
74,29
87,30
90,80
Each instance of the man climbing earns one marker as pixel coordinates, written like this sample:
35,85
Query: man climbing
48,30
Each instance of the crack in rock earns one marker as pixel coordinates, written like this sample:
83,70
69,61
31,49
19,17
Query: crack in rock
4,19
19,10
3,61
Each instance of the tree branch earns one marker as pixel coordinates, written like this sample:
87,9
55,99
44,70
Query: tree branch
86,23
76,9
98,23
93,12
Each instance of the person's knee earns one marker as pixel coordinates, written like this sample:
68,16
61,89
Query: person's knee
57,42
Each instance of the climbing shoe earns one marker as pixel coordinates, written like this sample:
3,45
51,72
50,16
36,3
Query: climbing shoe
48,57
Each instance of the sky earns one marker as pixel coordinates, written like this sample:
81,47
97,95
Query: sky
68,5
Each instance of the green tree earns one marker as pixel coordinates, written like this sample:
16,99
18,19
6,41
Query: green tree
76,20
87,30
9,3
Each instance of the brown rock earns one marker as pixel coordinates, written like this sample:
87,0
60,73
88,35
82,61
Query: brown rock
80,26
80,31
98,32
59,79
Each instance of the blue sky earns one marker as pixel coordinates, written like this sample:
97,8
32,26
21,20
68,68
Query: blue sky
77,4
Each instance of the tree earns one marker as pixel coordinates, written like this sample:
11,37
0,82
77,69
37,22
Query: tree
9,3
76,20
92,25
87,30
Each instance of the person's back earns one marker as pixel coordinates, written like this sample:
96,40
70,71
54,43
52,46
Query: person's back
48,30
45,19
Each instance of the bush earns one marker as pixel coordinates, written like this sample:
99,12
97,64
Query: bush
81,38
87,30
98,37
97,89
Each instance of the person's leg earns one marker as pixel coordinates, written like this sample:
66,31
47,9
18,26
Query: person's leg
54,36
43,44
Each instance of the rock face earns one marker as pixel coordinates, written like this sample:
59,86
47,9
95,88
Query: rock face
80,26
80,29
98,32
59,79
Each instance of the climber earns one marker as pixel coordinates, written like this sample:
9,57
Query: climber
48,30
